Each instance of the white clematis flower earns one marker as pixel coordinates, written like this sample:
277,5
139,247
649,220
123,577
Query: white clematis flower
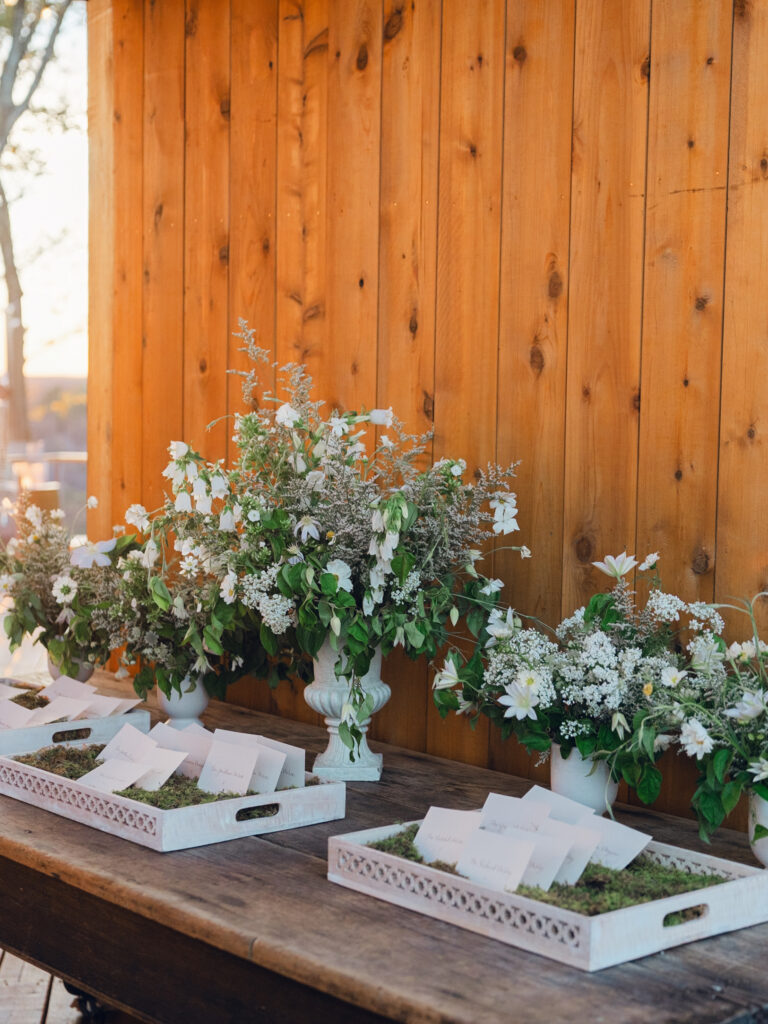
287,416
616,566
695,739
751,705
338,567
520,702
88,554
447,677
671,676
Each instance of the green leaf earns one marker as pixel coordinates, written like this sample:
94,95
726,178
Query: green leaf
268,639
329,584
475,621
445,701
730,795
709,806
324,613
761,832
211,641
586,745
720,763
160,593
631,774
649,784
345,735
761,789
414,634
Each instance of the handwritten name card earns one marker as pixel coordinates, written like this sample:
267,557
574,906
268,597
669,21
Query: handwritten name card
443,833
618,845
497,861
228,767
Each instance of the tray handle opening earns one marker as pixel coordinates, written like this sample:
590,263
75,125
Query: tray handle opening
685,914
66,735
258,811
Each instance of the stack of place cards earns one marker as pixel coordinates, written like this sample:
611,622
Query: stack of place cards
68,700
541,839
222,762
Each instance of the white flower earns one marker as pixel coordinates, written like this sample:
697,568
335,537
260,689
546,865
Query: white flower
6,582
136,515
315,479
529,678
178,609
505,509
175,474
86,555
227,521
64,589
92,502
501,627
189,565
447,677
706,655
254,516
34,516
307,527
759,769
662,742
338,567
382,417
525,552
368,603
751,705
192,472
458,467
617,566
492,587
338,425
287,416
297,462
619,724
695,739
671,676
177,450
520,702
219,486
335,625
742,652
649,562
183,502
227,589
204,505
386,442
150,554
58,514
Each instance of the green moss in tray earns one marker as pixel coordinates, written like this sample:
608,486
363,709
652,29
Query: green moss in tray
178,791
599,889
31,700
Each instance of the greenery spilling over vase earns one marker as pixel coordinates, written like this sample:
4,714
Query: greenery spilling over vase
601,682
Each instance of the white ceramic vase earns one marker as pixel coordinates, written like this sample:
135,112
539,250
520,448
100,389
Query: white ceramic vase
758,815
573,777
184,708
84,672
327,695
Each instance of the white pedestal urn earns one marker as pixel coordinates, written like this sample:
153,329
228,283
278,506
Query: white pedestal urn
758,815
327,695
184,708
571,777
84,671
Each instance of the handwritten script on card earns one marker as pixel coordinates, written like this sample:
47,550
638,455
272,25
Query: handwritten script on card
494,860
443,833
560,807
228,768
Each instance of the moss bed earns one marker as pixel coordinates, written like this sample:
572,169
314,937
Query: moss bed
599,889
178,791
30,700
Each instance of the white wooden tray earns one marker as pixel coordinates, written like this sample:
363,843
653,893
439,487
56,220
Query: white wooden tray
171,830
589,943
99,730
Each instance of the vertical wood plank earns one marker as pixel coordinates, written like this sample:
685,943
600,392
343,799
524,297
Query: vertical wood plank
607,223
345,369
534,306
742,555
253,155
163,294
682,309
410,110
101,261
471,139
206,224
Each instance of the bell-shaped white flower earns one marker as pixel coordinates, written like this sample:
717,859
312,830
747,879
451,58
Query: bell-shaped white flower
616,566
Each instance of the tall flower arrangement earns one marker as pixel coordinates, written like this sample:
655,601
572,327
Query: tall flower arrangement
327,529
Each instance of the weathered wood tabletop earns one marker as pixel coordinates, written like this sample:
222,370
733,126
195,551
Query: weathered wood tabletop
251,930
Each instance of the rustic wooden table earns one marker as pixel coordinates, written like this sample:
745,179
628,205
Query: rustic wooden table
251,931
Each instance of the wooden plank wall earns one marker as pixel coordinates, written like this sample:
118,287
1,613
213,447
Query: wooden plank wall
539,228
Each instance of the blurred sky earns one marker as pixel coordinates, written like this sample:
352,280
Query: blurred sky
50,217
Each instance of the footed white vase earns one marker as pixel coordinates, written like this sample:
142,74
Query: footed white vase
571,777
758,815
327,695
184,708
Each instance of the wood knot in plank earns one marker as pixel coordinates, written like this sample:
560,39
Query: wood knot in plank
472,150
361,283
741,8
393,24
362,58
224,254
764,166
636,400
313,312
586,393
752,432
413,324
555,285
318,44
686,382
584,548
203,365
265,246
645,68
520,54
158,215
678,474
691,143
224,108
701,303
428,405
710,61
354,369
700,562
536,358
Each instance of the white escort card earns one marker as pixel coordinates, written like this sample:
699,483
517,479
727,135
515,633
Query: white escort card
66,708
7,692
129,745
497,861
560,807
502,812
443,833
13,716
100,706
64,686
545,860
228,767
160,765
195,744
619,844
293,770
579,843
269,762
113,775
